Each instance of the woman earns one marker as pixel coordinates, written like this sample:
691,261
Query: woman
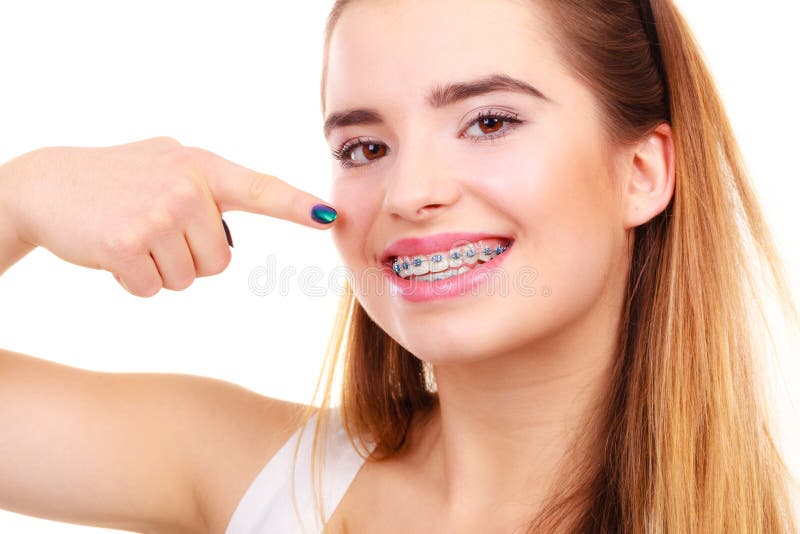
577,144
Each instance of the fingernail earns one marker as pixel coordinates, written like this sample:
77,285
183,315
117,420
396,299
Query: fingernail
323,214
227,234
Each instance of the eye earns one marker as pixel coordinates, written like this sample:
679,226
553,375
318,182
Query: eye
491,125
360,152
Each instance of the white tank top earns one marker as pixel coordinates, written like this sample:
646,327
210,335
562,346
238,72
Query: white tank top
267,505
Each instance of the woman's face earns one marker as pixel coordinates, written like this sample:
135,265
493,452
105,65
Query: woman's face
457,122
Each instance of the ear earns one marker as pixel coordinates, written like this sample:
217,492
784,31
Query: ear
650,183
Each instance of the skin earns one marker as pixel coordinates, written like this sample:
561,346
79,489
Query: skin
517,374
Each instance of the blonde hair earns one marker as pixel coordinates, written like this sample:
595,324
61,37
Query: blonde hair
688,446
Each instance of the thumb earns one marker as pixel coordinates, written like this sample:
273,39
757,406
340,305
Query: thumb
238,188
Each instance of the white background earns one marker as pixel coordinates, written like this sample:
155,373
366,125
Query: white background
242,79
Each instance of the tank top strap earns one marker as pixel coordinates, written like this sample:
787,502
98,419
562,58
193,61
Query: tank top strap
267,505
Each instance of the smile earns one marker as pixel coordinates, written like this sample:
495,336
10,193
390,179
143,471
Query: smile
442,265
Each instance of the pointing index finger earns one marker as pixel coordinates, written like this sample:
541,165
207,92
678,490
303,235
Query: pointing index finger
238,188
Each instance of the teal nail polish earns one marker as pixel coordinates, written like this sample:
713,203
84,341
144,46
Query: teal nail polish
323,214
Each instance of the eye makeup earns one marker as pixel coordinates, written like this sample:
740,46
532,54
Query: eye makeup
371,149
491,124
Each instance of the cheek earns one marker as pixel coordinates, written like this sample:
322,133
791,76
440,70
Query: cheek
357,208
549,191
359,202
562,206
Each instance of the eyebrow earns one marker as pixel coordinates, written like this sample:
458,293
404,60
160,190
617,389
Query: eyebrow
350,118
455,92
439,97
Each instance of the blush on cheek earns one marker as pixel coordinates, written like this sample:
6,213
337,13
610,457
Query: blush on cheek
514,182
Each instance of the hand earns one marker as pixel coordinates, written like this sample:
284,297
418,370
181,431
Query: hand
149,212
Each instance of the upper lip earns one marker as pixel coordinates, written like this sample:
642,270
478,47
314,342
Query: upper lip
412,246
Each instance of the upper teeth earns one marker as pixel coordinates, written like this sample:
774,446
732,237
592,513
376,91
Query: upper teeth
470,254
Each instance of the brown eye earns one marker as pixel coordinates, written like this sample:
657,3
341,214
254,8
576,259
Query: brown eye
490,124
373,151
360,152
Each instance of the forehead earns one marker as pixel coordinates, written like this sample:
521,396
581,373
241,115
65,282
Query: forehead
382,50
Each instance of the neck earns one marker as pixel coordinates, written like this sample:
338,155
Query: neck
504,424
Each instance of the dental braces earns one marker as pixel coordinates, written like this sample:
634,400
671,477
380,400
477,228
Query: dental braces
471,252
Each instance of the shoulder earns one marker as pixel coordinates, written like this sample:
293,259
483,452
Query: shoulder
235,432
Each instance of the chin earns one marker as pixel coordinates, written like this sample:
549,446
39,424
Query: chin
466,336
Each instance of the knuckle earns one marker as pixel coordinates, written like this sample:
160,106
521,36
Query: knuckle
160,222
179,283
149,285
261,187
197,153
180,170
123,247
184,283
180,158
185,196
142,287
149,290
164,140
216,264
224,260
192,155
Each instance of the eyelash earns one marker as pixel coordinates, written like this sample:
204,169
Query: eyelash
511,119
343,154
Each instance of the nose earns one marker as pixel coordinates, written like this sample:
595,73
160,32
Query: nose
421,187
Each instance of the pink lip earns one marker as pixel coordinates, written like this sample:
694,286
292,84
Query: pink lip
456,286
412,246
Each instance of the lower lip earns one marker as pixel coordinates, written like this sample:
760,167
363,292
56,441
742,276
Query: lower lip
461,285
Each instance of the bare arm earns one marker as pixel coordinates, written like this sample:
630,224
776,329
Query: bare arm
150,453
143,452
12,248
94,448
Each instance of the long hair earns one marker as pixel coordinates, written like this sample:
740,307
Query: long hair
687,443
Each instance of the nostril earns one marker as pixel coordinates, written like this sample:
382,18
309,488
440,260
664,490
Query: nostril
414,197
429,209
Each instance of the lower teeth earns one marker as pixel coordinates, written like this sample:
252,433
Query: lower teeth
432,277
473,255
